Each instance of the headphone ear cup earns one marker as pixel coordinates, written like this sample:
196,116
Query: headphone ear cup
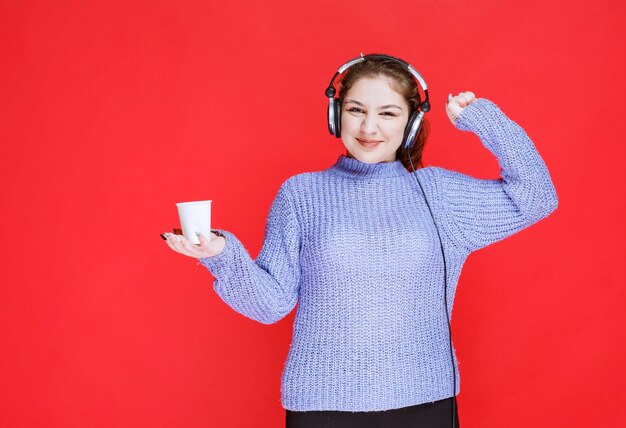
330,116
337,105
409,135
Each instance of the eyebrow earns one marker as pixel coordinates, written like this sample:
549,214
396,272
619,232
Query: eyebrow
380,108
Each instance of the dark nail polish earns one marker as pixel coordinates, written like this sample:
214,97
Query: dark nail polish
162,236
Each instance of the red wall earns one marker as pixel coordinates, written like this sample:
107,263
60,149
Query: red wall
110,113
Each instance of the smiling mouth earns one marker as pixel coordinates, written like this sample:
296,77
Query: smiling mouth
369,143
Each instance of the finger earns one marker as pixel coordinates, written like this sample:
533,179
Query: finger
454,109
204,243
192,249
177,244
455,99
460,100
469,97
169,240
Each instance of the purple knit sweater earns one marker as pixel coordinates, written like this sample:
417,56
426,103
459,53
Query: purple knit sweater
355,247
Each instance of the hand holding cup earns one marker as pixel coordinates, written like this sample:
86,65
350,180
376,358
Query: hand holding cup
190,240
206,248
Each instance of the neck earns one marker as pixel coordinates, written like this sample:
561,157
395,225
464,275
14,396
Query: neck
348,166
349,155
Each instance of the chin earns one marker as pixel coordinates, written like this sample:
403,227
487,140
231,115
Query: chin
370,157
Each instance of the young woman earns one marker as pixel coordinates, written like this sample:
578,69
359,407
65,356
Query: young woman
370,255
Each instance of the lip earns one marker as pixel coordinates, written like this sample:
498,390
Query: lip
368,143
361,140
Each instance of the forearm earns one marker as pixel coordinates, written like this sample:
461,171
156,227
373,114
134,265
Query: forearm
265,289
525,177
245,286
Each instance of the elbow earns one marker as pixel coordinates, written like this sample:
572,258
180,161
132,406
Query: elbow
269,321
274,313
553,203
546,204
265,308
550,200
263,317
271,318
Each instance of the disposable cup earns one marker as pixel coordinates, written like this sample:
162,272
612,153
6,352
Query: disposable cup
195,217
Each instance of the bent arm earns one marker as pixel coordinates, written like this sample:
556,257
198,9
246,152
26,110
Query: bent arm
480,212
265,289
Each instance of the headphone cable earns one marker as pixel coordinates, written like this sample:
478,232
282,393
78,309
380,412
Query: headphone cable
445,294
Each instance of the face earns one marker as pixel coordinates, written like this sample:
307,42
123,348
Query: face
373,118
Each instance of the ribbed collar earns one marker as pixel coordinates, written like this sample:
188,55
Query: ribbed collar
354,168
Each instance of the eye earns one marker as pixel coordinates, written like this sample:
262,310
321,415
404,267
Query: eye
388,113
355,110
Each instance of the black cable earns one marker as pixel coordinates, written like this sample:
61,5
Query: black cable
445,293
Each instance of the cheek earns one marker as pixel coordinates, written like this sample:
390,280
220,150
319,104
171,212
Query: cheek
396,130
346,129
345,118
349,125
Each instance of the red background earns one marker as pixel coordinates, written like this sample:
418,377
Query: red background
110,112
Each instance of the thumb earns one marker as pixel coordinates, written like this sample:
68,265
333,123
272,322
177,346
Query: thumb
453,108
203,241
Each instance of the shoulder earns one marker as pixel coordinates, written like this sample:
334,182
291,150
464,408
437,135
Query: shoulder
305,180
440,173
438,181
300,187
434,174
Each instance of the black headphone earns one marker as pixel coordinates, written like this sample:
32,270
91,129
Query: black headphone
415,120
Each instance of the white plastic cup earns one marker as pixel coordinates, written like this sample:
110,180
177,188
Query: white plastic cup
195,217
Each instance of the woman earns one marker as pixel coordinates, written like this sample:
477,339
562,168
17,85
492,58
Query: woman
356,247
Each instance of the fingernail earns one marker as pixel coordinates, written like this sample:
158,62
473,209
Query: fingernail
163,236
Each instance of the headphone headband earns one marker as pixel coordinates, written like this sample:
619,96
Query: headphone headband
362,58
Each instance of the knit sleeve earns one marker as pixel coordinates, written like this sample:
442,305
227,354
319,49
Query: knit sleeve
265,289
480,212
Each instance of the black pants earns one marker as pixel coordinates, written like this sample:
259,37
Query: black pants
427,415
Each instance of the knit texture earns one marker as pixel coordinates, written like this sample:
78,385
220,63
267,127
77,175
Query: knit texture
356,248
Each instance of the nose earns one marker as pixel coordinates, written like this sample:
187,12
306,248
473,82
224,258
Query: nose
369,125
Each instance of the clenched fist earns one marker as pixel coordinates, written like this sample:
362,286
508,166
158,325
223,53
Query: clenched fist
455,105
